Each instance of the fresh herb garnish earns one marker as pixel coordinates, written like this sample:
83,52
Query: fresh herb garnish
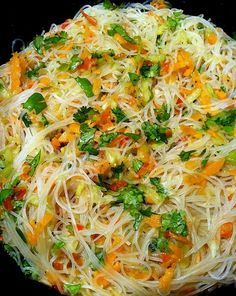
155,132
26,119
34,72
44,120
163,114
225,119
34,163
86,142
174,21
185,155
86,86
161,244
174,221
151,71
58,245
161,190
35,102
134,78
83,114
119,114
41,42
137,164
107,4
132,199
100,54
117,171
118,29
73,290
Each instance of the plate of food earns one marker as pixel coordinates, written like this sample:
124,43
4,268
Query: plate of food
118,153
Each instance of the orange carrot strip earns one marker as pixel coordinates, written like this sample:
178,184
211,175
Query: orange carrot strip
89,18
213,168
15,71
226,230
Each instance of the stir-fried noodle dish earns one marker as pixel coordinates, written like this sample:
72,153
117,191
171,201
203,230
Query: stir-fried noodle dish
118,153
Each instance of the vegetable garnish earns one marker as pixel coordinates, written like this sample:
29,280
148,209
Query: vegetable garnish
35,102
118,153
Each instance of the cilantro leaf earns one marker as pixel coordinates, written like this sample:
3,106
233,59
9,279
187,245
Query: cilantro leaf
163,114
175,222
99,54
118,170
118,29
34,72
120,115
44,120
150,71
154,132
107,138
137,164
35,102
161,190
173,22
161,244
26,119
38,43
73,290
134,78
107,4
34,163
83,114
86,142
225,119
185,155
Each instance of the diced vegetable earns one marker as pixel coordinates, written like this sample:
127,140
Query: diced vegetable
118,29
134,78
150,71
86,86
35,102
73,290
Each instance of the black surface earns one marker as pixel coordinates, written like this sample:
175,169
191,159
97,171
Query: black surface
25,19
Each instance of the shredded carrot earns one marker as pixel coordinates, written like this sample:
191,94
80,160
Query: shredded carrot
213,168
154,221
55,143
192,164
38,228
45,81
180,238
89,18
15,71
104,120
124,43
189,131
212,38
74,128
165,280
97,86
85,54
232,172
226,230
146,168
221,95
184,63
101,280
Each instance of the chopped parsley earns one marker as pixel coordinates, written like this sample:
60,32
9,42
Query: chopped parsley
107,4
34,163
186,155
83,114
118,170
155,132
137,164
150,71
161,190
119,114
174,21
175,222
161,244
86,143
163,114
134,78
41,42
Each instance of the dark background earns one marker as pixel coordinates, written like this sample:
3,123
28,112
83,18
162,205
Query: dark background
25,19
